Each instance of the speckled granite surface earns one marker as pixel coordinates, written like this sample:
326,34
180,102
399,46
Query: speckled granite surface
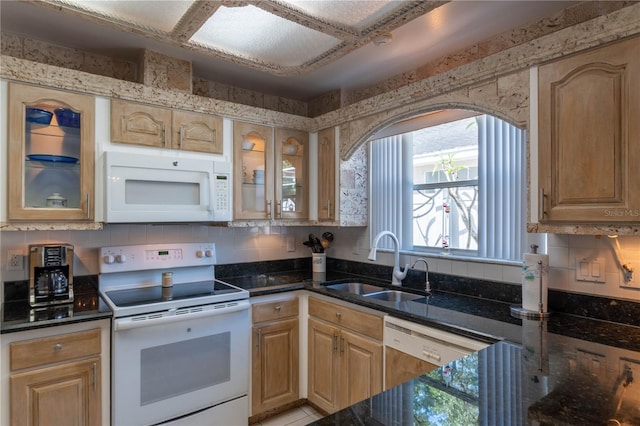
554,381
17,315
566,370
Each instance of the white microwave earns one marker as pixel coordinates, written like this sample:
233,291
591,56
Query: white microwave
144,188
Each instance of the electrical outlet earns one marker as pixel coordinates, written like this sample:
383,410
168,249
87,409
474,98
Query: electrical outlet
291,243
15,261
630,279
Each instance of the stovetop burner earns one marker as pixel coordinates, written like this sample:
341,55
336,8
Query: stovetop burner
157,294
155,298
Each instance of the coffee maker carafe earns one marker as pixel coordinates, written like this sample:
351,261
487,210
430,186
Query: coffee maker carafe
51,274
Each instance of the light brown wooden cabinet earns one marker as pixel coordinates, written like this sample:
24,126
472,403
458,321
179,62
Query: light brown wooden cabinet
291,174
326,175
345,355
253,171
589,136
152,126
50,155
56,380
275,366
271,172
401,367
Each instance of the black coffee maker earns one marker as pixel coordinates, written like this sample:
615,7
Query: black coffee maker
50,274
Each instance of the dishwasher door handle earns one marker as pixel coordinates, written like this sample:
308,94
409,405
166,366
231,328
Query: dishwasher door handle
433,355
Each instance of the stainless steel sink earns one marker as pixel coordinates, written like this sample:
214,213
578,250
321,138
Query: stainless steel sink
393,296
356,288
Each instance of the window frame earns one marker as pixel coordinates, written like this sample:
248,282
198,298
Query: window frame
517,235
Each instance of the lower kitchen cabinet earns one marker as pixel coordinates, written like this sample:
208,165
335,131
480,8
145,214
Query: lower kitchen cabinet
401,367
345,355
275,367
68,394
56,380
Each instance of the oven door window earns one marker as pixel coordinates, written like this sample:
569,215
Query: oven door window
179,368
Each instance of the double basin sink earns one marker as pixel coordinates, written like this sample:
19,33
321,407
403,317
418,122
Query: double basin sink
376,292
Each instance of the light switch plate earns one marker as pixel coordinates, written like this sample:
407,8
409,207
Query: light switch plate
590,270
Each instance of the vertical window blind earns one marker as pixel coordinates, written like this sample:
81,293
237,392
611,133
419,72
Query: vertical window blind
502,182
502,189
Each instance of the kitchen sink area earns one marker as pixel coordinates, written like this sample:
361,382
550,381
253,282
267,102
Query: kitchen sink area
361,289
394,296
378,293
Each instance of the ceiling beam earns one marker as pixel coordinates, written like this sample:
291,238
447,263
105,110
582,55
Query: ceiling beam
194,18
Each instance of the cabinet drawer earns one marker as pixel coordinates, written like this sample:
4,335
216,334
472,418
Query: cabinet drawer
362,322
270,311
37,352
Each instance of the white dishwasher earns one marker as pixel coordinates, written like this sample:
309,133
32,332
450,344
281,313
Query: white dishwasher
429,345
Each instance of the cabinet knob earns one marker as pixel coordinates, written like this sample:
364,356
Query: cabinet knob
277,308
57,347
338,314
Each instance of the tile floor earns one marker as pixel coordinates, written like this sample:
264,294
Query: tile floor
295,417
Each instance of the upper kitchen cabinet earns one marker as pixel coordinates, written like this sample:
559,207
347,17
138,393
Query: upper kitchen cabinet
147,125
589,137
326,175
292,174
50,155
271,178
253,171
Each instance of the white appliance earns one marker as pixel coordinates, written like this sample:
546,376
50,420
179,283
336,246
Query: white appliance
159,188
429,344
180,342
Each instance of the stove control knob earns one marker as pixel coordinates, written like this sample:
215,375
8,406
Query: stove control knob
121,258
199,253
208,253
109,259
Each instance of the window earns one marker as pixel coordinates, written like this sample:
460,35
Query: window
454,185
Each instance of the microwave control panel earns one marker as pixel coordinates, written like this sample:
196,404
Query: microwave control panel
221,197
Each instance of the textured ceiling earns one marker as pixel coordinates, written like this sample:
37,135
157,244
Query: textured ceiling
291,48
275,36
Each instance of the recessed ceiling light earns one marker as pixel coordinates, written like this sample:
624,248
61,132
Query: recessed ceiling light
383,39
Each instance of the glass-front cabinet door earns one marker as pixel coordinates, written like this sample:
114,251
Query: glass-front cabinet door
253,168
292,174
51,155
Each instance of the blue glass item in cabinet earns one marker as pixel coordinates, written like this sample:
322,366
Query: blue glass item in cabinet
39,116
67,117
53,158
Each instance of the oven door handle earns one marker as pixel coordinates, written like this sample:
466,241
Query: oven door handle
175,315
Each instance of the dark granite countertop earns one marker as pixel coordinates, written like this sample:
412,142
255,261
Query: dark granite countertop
565,370
17,315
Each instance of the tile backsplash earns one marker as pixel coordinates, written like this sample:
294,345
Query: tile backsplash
563,250
238,245
233,245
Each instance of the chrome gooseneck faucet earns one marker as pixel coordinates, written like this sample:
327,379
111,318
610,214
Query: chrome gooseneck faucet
398,274
427,286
